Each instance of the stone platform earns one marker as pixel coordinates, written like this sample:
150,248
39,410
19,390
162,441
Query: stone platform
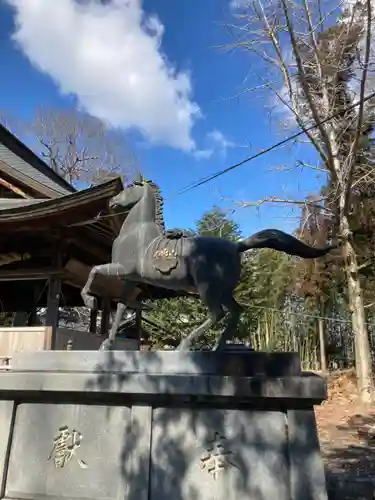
159,426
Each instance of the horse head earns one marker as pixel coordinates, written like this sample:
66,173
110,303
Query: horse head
130,195
142,200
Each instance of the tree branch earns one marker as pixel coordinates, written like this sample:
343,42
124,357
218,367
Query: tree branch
305,87
355,144
286,201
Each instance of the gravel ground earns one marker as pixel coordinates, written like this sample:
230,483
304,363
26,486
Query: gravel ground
347,438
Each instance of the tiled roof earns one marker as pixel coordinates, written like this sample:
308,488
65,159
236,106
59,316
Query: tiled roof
24,163
24,211
8,203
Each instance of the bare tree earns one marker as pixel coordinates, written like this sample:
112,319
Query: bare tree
316,65
76,145
80,147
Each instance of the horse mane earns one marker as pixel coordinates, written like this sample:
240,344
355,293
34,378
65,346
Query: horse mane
159,218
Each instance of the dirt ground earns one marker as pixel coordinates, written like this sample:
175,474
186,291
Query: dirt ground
347,438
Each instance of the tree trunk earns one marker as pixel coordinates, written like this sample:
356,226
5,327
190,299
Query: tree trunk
293,332
266,331
322,345
258,334
361,341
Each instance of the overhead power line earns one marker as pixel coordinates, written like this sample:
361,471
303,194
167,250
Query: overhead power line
211,177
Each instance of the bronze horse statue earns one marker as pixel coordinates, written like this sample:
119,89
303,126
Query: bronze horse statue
143,253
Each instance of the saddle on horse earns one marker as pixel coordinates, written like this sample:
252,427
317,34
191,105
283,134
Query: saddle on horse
176,233
165,253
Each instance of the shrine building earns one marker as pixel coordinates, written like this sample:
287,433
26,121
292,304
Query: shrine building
51,235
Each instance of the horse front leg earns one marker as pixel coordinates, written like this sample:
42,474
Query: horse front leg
129,293
115,270
107,344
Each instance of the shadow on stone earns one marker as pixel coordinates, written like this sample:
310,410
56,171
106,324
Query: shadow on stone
164,425
351,463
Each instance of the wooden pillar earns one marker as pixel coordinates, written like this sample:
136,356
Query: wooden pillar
54,291
104,324
33,316
53,302
93,320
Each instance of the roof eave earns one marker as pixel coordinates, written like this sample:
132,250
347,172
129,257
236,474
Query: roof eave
68,203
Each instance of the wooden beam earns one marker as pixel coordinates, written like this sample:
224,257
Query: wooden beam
9,258
91,247
29,274
13,188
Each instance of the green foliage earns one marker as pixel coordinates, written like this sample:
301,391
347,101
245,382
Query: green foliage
216,222
264,286
266,278
175,318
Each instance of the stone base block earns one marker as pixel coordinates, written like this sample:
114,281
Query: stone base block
159,426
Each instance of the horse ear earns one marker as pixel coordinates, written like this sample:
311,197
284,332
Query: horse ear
138,179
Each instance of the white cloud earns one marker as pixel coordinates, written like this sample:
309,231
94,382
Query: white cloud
108,55
238,4
220,141
203,154
216,143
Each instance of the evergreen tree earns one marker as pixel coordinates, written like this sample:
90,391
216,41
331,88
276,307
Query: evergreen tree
264,286
216,222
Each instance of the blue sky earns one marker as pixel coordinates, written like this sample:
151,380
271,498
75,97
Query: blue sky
177,139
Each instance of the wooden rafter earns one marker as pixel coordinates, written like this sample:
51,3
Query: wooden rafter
29,274
11,257
13,188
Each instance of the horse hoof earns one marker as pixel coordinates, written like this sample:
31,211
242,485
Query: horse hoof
219,347
107,345
183,347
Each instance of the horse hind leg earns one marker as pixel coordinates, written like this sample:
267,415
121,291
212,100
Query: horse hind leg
210,297
234,310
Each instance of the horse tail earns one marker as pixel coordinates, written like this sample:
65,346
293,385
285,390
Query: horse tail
283,242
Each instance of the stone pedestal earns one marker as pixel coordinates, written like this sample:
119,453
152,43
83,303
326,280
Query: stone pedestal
159,426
